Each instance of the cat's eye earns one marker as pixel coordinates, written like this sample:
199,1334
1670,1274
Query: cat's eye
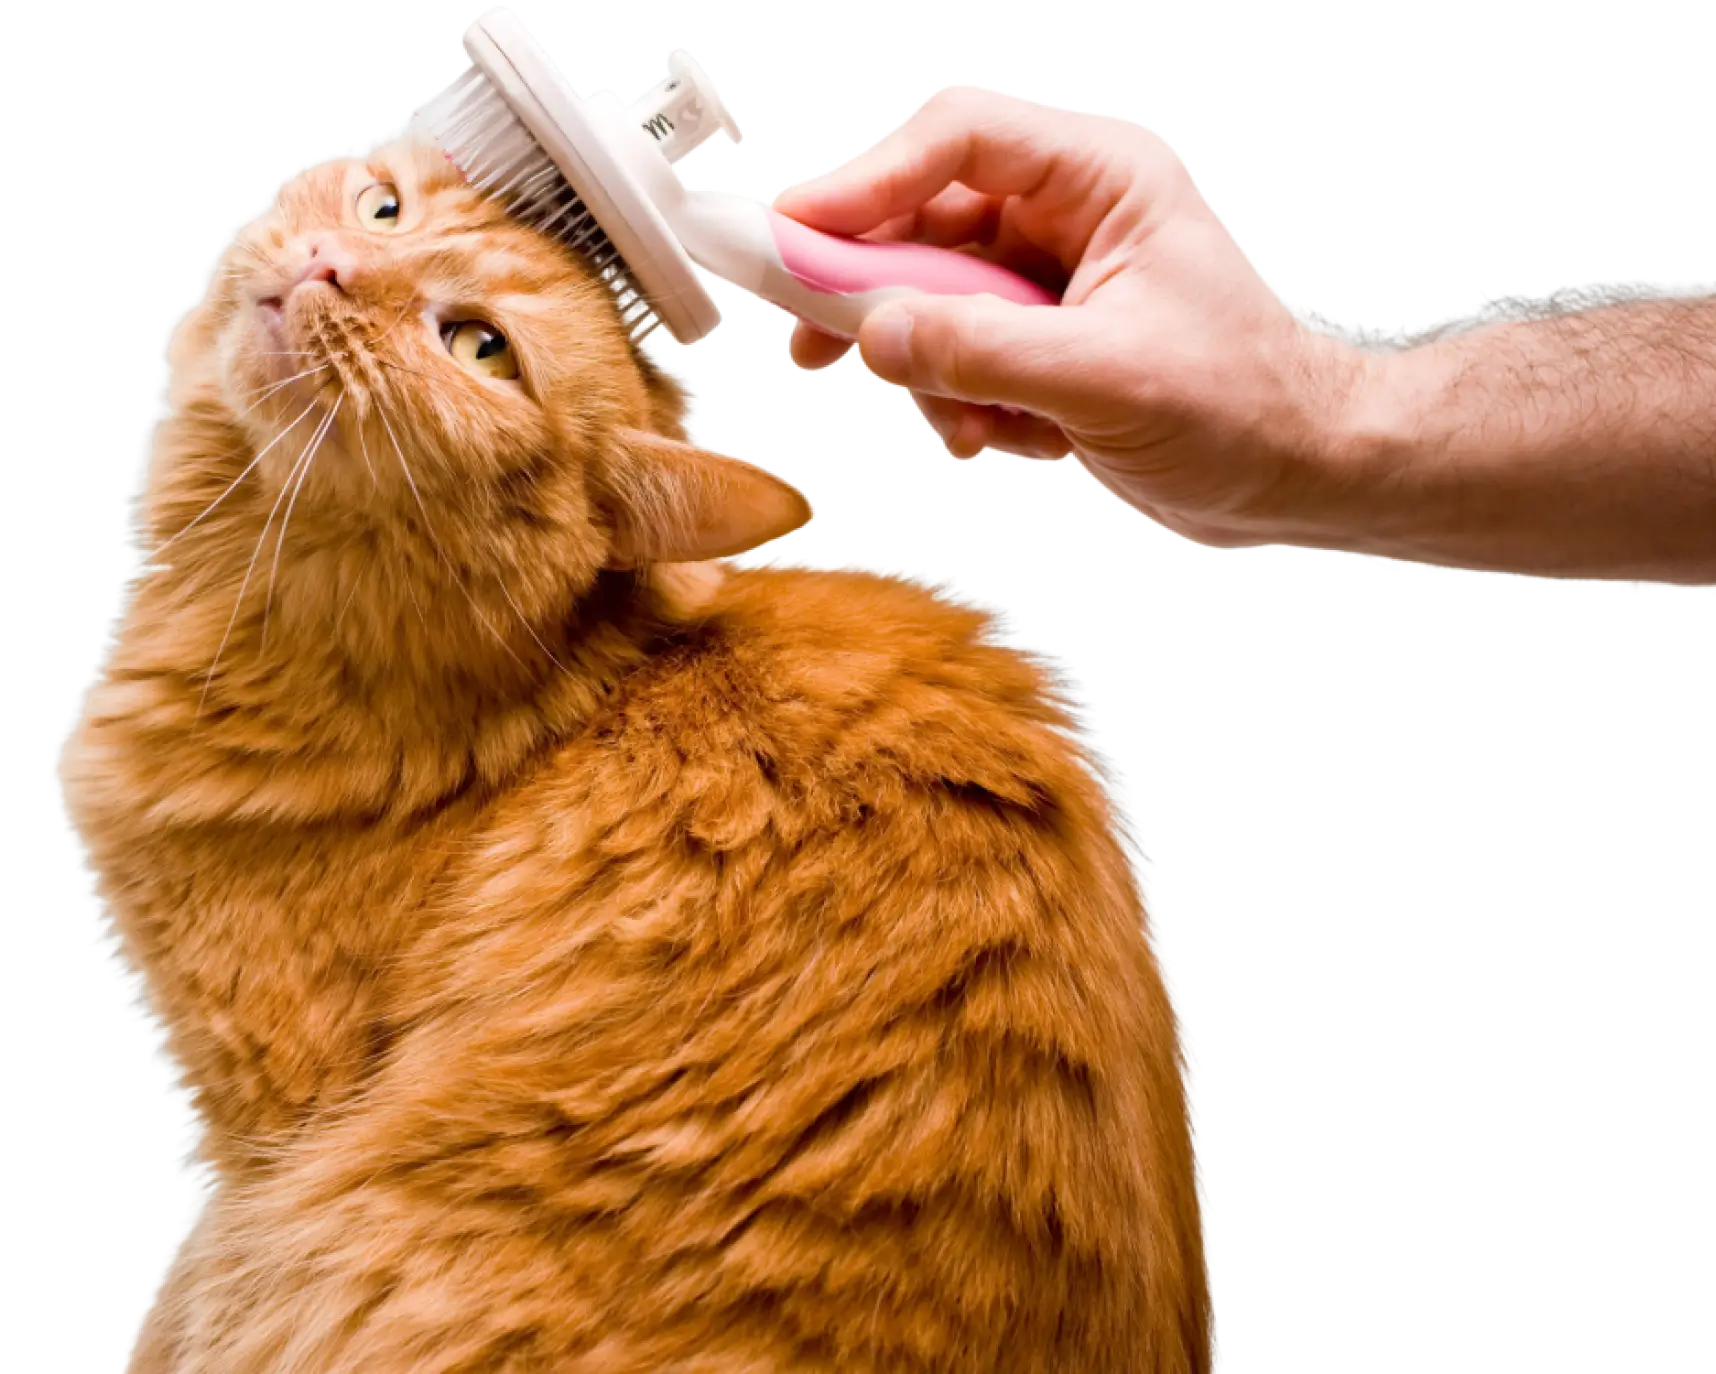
378,207
481,349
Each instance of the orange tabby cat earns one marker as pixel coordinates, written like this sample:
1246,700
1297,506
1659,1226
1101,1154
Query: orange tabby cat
586,956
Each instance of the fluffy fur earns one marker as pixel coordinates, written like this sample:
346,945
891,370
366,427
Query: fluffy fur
582,959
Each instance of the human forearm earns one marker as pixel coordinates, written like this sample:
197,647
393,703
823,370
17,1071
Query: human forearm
1579,444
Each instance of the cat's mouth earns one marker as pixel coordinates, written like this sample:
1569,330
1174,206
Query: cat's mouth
271,310
306,287
290,352
285,314
320,345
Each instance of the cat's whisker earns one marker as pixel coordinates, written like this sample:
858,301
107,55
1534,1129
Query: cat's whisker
403,312
528,628
523,620
315,446
288,490
416,605
278,386
435,541
233,486
400,367
513,604
238,601
363,449
346,605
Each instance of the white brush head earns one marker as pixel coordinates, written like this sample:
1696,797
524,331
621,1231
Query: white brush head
516,130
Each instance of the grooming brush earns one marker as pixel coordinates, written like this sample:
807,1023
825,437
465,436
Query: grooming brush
598,175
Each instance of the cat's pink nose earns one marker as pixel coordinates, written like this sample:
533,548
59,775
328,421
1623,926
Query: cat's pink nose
328,262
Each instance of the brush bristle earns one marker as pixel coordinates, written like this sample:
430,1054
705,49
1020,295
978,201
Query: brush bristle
499,156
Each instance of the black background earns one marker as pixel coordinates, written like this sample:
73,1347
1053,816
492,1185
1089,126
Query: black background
1432,849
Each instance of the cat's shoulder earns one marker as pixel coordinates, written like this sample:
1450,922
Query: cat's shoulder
854,683
857,632
812,652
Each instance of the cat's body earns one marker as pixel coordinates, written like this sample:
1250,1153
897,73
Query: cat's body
663,967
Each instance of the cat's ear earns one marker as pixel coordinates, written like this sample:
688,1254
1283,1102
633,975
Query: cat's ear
673,503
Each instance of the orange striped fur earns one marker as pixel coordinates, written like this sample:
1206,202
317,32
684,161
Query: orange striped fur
585,959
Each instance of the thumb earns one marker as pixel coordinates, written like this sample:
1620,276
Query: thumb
982,350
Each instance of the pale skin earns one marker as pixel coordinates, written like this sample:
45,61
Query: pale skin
1566,443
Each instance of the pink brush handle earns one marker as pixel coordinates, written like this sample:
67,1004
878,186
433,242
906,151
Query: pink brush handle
859,275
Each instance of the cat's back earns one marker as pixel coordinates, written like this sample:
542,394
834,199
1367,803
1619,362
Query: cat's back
827,716
811,980
850,696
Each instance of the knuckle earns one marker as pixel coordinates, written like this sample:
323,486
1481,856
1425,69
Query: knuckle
947,352
956,104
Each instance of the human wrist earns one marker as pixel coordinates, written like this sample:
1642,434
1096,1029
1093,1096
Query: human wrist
1372,448
1334,446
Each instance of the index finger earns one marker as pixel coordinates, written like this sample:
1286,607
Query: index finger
995,145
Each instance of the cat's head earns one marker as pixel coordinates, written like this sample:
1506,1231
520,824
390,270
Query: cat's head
392,347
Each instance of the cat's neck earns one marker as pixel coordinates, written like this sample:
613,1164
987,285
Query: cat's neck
366,624
378,679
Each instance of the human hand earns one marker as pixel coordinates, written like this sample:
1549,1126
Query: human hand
1171,370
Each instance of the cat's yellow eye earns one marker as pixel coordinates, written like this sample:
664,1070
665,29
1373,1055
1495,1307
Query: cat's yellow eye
481,350
378,207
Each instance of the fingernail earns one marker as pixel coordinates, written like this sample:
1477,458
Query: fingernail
887,343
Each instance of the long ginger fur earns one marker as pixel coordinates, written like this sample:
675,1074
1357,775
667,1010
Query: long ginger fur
586,955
